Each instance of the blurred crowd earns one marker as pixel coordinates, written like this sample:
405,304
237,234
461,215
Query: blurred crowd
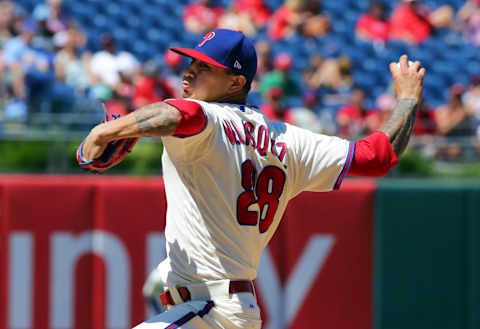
47,66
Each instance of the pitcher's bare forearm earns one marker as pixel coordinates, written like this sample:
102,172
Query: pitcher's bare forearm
400,125
154,120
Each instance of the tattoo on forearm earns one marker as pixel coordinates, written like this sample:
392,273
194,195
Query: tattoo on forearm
400,125
156,120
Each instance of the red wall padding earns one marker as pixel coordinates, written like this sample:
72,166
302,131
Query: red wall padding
39,208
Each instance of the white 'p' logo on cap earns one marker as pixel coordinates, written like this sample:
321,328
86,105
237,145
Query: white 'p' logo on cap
206,37
237,65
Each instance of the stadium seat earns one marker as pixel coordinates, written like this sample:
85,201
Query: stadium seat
274,4
158,38
341,28
350,16
101,22
434,44
123,37
335,6
364,80
361,6
142,50
254,98
293,102
159,3
473,66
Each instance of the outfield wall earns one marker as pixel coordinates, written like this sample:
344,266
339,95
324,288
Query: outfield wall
427,255
76,251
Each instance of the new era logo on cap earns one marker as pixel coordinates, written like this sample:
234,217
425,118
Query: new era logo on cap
227,49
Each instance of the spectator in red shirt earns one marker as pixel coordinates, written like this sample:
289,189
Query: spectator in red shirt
247,16
425,122
151,87
352,118
414,23
284,21
256,9
384,107
410,22
298,15
274,108
373,25
202,16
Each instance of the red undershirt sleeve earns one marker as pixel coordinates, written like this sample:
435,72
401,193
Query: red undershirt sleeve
374,156
193,119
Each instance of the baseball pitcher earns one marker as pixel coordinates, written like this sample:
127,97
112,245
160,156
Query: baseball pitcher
229,173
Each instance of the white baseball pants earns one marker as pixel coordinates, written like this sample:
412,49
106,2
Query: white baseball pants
237,311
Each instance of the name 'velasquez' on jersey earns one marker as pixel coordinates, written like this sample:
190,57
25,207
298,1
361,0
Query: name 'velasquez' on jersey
259,138
228,186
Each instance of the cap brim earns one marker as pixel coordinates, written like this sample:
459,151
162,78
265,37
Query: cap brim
198,55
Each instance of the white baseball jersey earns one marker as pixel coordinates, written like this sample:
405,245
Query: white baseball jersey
228,186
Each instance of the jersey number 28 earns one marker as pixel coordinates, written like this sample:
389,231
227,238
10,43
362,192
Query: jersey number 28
264,191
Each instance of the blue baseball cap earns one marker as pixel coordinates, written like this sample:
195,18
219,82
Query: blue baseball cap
227,49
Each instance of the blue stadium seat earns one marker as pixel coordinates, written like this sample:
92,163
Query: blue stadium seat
254,98
27,5
423,55
102,22
160,3
142,50
280,47
335,6
434,44
328,46
273,4
351,17
190,40
81,11
158,38
361,6
293,102
123,37
114,10
445,68
301,62
397,47
364,80
172,22
462,78
131,6
340,28
436,82
356,54
377,91
370,65
473,66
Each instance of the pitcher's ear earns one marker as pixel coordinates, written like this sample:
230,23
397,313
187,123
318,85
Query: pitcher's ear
238,82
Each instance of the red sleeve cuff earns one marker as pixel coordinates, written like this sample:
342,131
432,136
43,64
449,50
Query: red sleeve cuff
374,156
193,120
